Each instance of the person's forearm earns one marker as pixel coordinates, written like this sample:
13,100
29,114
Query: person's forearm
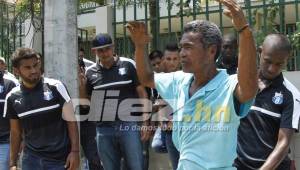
73,135
141,91
247,68
83,93
281,149
276,157
15,142
144,69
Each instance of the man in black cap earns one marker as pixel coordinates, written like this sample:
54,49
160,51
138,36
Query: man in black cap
88,128
116,78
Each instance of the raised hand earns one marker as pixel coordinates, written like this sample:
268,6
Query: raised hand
235,12
138,33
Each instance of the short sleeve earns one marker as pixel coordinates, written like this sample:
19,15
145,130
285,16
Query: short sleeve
12,85
9,111
169,86
89,88
243,108
165,84
12,78
133,74
65,97
290,114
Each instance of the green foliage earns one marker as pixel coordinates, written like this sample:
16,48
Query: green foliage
260,29
186,4
5,34
28,6
188,9
95,1
139,3
295,37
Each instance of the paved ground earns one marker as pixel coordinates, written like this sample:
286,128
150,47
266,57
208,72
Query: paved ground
159,161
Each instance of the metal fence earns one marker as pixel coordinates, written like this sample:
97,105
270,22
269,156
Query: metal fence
12,25
11,30
165,20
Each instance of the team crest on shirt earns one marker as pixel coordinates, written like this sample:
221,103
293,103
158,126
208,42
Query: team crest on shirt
1,89
48,95
277,98
122,71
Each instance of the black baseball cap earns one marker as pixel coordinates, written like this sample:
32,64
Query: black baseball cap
101,41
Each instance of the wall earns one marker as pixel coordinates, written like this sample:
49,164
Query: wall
294,78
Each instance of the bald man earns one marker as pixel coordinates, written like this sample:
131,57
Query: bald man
264,135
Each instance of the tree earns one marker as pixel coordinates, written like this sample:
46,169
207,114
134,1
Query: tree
261,30
33,7
96,1
8,29
154,13
295,37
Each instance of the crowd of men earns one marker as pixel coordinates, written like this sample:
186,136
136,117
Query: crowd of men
211,108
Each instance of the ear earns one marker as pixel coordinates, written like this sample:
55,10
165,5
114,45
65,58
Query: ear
113,48
93,51
40,64
16,71
212,51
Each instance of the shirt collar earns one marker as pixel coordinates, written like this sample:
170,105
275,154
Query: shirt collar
277,81
100,67
37,86
216,81
211,85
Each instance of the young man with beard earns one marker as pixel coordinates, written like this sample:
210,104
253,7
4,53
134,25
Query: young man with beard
40,112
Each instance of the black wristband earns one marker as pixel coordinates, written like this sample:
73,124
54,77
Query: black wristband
84,109
243,28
